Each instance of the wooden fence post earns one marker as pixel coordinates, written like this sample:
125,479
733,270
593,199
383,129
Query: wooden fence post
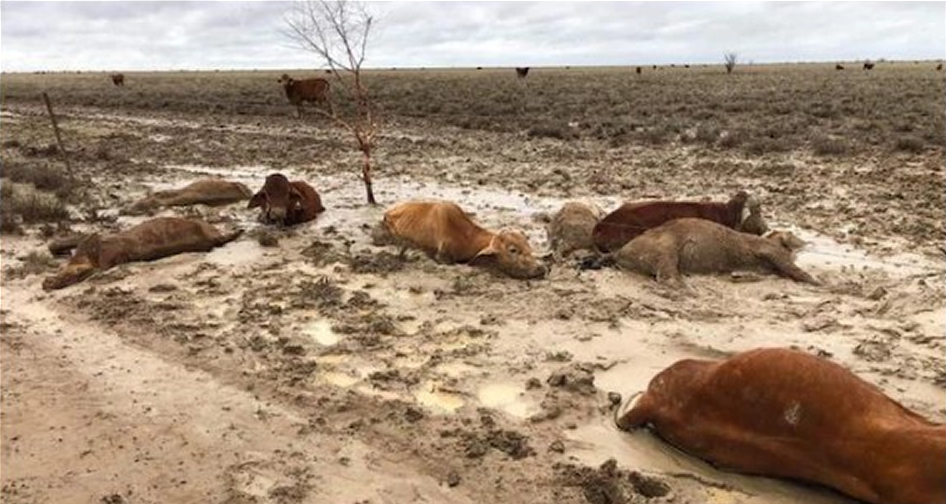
62,150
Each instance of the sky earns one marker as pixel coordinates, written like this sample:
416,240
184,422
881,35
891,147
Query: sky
132,36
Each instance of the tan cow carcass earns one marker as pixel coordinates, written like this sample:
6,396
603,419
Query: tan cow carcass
783,413
570,228
703,246
210,192
448,235
150,240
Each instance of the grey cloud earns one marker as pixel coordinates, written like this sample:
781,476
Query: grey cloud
172,35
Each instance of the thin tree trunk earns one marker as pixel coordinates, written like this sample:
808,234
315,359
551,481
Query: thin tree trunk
366,175
62,149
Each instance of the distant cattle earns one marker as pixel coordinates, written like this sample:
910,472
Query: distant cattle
784,413
939,67
868,65
211,192
286,203
686,66
447,234
521,72
118,79
654,67
314,90
638,70
741,212
150,240
839,67
702,246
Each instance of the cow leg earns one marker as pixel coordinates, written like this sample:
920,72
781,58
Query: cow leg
785,267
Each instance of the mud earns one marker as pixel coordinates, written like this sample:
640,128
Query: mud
308,365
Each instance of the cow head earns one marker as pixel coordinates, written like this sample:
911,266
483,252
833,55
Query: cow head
509,252
786,239
751,220
668,389
285,80
277,198
82,264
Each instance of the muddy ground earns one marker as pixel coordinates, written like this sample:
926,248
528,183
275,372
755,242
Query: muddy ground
326,369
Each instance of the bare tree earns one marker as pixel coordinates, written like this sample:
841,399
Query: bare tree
730,61
337,32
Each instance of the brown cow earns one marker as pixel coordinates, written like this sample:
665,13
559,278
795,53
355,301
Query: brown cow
448,235
150,240
868,65
939,67
638,70
570,228
631,219
286,203
211,192
521,72
702,246
306,90
839,67
783,413
118,79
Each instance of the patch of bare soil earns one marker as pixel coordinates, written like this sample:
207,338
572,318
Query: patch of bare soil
309,365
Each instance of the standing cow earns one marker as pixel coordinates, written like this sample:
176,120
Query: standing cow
521,72
118,79
306,90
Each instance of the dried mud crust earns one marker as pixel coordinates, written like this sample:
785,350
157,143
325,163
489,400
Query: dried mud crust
322,360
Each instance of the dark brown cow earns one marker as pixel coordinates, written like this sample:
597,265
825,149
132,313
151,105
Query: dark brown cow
631,219
211,192
939,67
150,240
868,65
784,413
638,70
118,79
691,245
306,90
521,72
839,67
286,203
447,234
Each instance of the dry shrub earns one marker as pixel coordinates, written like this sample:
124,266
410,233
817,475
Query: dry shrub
909,143
23,203
824,145
43,176
32,264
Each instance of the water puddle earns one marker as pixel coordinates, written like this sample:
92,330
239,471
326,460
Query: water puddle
431,396
235,253
321,332
340,379
824,252
506,397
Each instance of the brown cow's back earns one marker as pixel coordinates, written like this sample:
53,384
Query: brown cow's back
440,228
309,207
781,412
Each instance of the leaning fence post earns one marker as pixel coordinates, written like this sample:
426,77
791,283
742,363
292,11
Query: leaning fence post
62,150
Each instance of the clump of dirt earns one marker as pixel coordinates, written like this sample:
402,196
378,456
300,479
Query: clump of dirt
576,377
478,444
323,253
381,263
608,484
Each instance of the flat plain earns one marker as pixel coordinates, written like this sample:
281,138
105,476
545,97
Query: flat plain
327,369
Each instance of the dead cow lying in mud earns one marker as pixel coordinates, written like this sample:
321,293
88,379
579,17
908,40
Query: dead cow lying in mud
150,240
741,213
447,234
570,229
784,413
287,203
702,246
212,192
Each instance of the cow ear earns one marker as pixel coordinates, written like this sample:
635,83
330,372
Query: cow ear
256,200
294,194
488,254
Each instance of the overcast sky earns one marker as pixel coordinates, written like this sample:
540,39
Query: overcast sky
246,35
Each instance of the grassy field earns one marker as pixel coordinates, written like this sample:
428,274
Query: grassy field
757,109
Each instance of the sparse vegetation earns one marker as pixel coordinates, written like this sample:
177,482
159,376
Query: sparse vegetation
32,264
730,59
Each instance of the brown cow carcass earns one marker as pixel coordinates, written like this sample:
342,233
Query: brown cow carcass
448,235
742,213
150,240
784,413
210,192
286,203
702,246
314,90
570,229
118,79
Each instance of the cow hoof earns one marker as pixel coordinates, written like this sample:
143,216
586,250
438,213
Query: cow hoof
626,406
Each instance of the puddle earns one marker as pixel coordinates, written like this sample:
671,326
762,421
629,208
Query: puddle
824,252
506,397
339,379
432,397
235,253
321,332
